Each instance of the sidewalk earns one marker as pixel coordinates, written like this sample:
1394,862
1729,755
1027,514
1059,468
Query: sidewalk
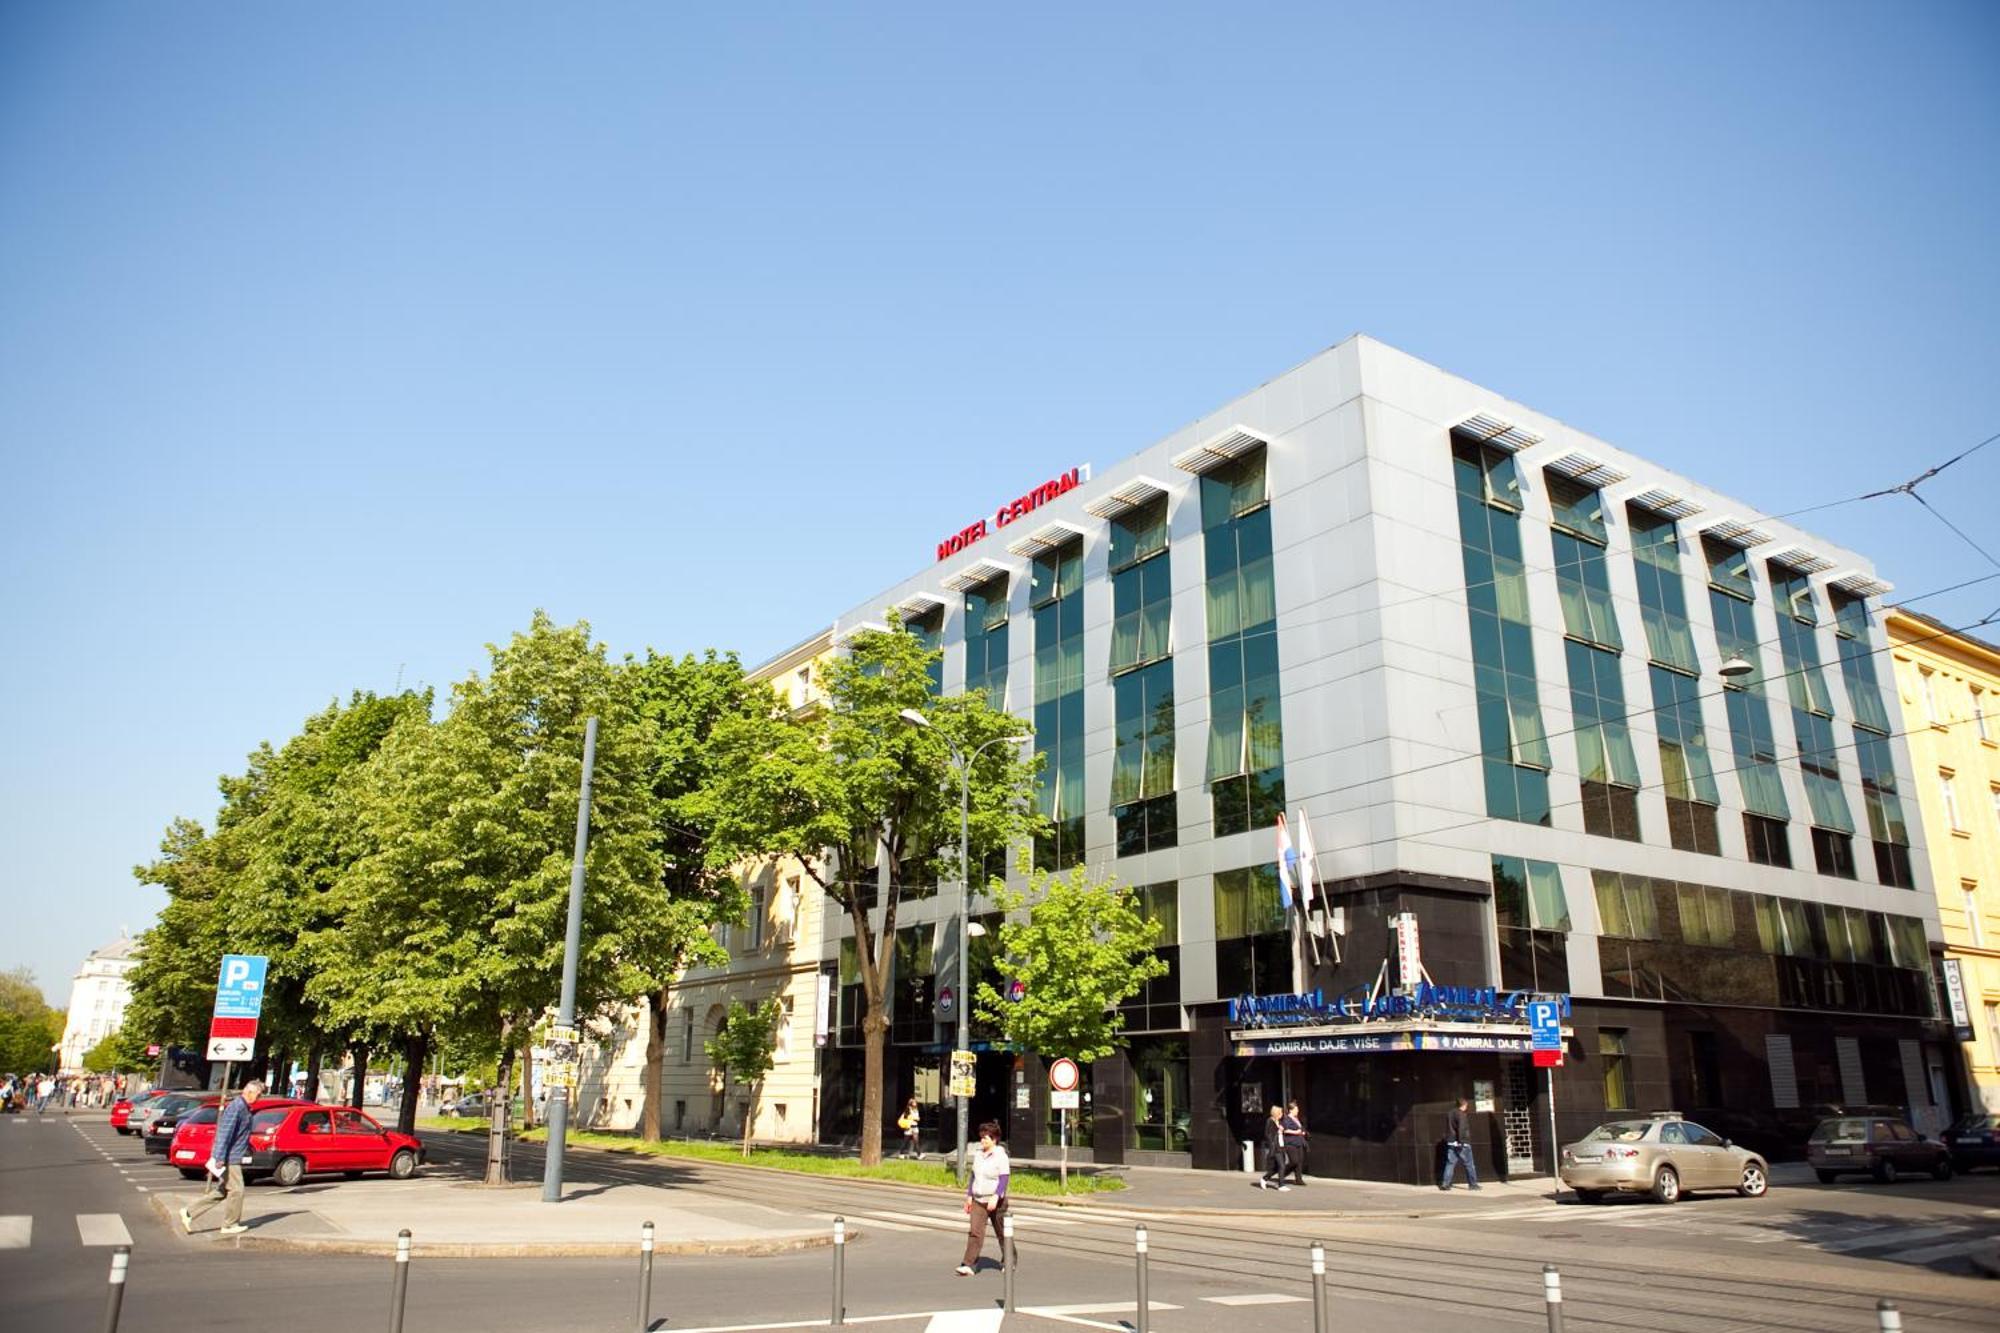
455,1218
1175,1192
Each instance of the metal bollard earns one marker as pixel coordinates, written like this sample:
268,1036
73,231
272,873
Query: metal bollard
1007,1260
1139,1318
839,1271
1888,1319
121,1258
645,1277
1320,1313
401,1289
1552,1297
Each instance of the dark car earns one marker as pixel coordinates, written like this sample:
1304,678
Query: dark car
160,1129
1974,1141
1881,1146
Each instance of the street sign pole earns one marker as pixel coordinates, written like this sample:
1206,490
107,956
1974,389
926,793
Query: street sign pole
558,1116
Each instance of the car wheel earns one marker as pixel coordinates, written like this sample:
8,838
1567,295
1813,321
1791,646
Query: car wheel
1755,1182
1943,1169
1590,1196
1666,1185
289,1171
1885,1171
1826,1177
403,1165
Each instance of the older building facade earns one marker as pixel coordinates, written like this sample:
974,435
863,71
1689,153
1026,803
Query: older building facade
1558,720
98,995
1948,684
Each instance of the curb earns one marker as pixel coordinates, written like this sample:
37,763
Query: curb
747,1247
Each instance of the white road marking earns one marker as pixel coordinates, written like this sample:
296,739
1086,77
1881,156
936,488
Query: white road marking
1873,1239
1924,1254
15,1231
102,1229
863,1222
965,1321
1266,1298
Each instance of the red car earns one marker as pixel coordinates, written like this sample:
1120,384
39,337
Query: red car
292,1142
121,1110
195,1134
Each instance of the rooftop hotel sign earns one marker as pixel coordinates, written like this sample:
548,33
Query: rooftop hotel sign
1019,507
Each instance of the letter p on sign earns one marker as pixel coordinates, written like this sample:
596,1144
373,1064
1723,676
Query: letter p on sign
236,972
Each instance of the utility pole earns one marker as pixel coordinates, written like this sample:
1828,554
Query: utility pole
558,1117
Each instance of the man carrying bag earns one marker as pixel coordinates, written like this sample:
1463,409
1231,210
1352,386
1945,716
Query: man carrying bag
225,1163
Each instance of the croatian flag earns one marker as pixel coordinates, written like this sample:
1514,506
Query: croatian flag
1288,865
1308,864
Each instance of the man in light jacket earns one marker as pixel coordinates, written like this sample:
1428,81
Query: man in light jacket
225,1163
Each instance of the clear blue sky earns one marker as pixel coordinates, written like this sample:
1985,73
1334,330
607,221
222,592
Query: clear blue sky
334,339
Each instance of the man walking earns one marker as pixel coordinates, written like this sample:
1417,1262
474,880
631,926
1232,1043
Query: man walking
225,1163
1458,1145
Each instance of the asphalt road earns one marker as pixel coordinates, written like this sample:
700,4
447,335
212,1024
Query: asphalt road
1807,1258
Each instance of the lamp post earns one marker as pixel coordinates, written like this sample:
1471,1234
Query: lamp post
963,764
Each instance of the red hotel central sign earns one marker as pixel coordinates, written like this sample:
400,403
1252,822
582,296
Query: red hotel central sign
1013,509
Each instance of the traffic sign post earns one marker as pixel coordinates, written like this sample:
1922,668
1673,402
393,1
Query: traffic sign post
239,1000
1546,1044
1064,1080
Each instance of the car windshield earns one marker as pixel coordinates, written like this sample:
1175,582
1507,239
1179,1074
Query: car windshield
1976,1122
1619,1131
205,1116
266,1119
1840,1129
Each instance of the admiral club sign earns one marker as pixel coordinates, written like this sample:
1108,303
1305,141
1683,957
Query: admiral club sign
1017,508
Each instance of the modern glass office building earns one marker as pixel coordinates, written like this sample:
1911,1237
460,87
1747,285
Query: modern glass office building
1482,656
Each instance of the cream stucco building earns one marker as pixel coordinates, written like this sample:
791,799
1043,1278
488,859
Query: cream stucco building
1949,683
97,998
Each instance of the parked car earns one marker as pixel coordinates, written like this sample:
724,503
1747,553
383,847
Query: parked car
1881,1146
195,1135
293,1142
122,1109
172,1103
1974,1141
478,1105
160,1129
1664,1156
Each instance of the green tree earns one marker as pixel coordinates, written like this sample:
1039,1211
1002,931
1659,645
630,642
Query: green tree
108,1056
868,805
452,916
1080,948
742,1050
28,1026
685,699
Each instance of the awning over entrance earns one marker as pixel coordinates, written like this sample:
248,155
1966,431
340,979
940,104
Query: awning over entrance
1357,1039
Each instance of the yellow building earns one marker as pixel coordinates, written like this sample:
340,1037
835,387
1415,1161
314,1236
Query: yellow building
1950,687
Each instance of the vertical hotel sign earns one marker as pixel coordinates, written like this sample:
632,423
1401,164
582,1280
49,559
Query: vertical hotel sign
1409,954
1954,995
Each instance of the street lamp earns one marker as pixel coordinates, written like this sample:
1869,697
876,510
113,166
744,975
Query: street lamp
1735,667
967,927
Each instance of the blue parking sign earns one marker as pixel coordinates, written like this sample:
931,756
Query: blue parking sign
239,991
1545,1025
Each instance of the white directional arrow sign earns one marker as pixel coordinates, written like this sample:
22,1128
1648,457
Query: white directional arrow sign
231,1048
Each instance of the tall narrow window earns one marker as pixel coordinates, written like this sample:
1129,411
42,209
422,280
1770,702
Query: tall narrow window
1812,720
1731,598
1948,794
1142,681
1253,952
1531,919
1605,763
1512,741
1857,662
1979,714
986,641
1886,825
1927,687
1246,756
1058,605
1612,1055
1975,929
927,627
1688,773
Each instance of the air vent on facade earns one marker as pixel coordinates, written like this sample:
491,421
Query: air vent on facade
1728,529
974,574
1861,585
1801,559
1586,470
1232,444
1126,498
1491,430
1044,539
918,604
1666,503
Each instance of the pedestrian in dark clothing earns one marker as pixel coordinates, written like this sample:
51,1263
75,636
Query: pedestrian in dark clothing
1274,1151
1458,1146
225,1163
1295,1143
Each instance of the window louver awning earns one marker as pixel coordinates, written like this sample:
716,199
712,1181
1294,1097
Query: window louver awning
1858,584
1587,470
917,604
1136,492
1666,503
976,573
1492,430
1227,447
1044,539
1804,560
1728,528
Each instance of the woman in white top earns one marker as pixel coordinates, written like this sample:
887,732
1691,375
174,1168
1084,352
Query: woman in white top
986,1198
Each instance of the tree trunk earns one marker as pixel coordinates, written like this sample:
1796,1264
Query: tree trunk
359,1091
315,1055
416,1050
528,1116
874,1040
279,1082
749,1113
496,1121
656,1059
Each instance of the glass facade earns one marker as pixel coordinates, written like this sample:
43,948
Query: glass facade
986,640
928,627
1812,720
1246,755
1157,1007
1253,948
1142,681
1687,773
1731,601
1886,829
1532,919
1513,743
1057,599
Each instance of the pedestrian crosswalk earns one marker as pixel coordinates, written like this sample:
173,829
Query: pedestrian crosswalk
889,1219
17,1230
